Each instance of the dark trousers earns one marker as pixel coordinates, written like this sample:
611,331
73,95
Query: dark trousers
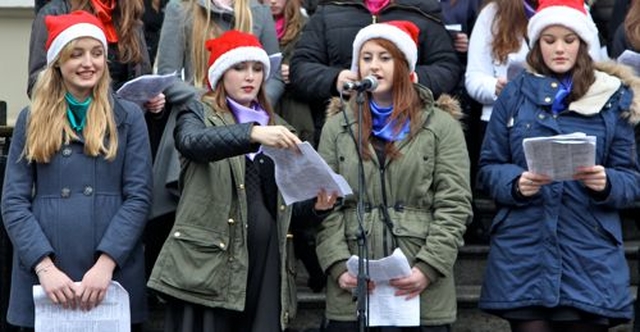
336,326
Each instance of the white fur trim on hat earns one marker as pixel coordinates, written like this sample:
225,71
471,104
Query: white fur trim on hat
565,16
389,32
237,55
73,32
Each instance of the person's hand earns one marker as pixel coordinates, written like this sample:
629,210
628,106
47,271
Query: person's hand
325,201
594,177
349,282
275,136
56,284
411,285
93,288
155,104
344,77
529,183
284,72
502,81
461,42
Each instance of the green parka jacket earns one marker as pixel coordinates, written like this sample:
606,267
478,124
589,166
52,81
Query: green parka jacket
205,258
419,202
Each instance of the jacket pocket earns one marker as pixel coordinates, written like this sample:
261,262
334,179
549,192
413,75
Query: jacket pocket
195,261
410,222
499,219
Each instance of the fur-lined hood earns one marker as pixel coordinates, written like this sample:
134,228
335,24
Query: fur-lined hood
628,78
445,102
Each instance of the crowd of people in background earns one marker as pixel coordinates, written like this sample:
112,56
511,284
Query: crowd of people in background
175,198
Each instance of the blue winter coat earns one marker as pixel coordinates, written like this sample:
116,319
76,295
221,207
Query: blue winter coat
562,246
76,207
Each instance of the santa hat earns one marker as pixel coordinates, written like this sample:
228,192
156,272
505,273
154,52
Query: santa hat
403,34
233,47
65,28
568,13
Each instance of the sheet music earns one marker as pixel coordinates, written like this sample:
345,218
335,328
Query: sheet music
112,315
386,309
559,156
630,58
142,88
301,175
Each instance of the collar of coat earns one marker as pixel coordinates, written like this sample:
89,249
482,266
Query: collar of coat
445,102
610,76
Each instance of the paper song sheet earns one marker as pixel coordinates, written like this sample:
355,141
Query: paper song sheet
301,175
142,88
630,58
112,315
386,309
559,156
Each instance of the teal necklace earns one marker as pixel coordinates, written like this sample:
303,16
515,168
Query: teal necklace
77,111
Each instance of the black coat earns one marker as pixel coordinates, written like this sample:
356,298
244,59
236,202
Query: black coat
325,48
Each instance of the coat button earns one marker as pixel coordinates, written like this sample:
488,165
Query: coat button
176,234
286,317
241,186
541,116
282,207
222,245
231,221
66,152
547,99
65,192
554,85
88,190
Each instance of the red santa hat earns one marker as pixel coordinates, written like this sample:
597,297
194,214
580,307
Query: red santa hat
403,34
65,28
233,47
567,13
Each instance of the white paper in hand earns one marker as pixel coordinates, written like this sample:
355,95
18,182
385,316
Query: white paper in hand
142,88
111,315
559,156
300,176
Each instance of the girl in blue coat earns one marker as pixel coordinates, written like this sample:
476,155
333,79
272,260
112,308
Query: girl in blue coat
557,261
77,186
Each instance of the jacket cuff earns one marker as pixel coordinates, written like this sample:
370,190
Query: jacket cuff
337,269
428,271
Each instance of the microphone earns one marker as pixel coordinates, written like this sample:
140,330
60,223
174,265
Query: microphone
368,83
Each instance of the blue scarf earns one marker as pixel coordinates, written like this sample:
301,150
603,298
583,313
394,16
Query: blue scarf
382,127
559,105
77,111
243,114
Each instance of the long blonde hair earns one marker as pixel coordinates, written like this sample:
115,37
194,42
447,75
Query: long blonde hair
205,28
48,126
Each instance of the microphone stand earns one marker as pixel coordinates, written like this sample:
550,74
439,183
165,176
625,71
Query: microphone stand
362,294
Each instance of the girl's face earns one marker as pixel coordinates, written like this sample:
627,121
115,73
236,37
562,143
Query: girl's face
377,61
243,81
84,67
559,47
277,7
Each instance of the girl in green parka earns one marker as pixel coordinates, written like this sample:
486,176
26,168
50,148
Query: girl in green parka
416,193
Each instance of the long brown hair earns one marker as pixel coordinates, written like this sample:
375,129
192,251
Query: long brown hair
294,21
217,98
48,126
509,27
406,101
205,28
632,25
127,18
582,74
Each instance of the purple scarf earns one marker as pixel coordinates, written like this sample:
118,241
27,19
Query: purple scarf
243,114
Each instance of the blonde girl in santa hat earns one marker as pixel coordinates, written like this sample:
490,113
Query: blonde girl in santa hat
416,182
556,261
227,265
78,180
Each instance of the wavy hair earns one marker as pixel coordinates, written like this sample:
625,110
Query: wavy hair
582,74
632,25
509,27
127,18
48,127
294,21
406,101
205,28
